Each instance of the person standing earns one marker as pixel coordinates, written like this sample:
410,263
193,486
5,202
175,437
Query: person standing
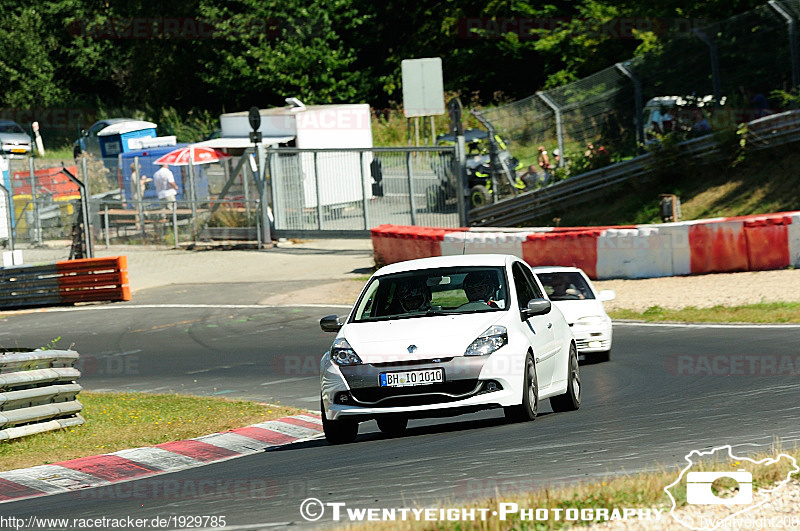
165,185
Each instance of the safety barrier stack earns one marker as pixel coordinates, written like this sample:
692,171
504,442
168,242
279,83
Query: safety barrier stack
65,282
38,392
745,243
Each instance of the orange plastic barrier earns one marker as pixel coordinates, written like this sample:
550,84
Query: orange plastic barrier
578,248
392,243
717,247
767,243
94,279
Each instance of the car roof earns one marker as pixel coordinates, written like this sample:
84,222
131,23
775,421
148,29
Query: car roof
8,122
447,261
556,269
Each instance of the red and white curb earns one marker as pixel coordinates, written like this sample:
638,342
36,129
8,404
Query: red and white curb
136,463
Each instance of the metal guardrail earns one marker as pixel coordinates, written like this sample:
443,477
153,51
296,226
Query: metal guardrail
38,392
767,132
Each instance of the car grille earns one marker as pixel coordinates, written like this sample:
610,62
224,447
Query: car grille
416,395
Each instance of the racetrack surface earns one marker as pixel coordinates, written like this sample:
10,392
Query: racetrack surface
653,403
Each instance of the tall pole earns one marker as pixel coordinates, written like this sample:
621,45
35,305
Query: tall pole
792,27
559,126
637,96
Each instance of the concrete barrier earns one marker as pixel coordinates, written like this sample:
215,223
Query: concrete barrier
746,243
39,392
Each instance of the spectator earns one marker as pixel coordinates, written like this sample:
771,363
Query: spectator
656,119
666,120
700,125
138,185
556,158
544,164
165,185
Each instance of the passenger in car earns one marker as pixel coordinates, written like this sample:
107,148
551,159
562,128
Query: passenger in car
481,286
414,295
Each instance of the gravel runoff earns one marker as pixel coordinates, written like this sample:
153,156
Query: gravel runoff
781,510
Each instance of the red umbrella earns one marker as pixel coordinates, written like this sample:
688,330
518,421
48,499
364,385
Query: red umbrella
191,155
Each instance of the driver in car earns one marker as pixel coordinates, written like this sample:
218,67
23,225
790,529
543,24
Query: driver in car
414,295
481,286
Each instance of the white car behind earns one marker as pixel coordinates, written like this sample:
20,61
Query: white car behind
444,336
582,305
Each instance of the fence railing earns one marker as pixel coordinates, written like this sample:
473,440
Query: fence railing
38,392
770,131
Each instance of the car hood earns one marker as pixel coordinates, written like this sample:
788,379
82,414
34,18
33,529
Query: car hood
21,138
574,310
435,337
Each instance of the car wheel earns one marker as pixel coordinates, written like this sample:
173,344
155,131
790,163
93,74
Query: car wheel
338,431
571,400
392,426
479,196
529,406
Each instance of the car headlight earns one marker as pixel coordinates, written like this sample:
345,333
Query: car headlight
489,341
590,320
343,354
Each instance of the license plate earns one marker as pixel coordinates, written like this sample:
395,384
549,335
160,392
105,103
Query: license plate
18,150
406,378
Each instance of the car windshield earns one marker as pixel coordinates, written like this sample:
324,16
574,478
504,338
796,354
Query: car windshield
565,286
10,127
430,292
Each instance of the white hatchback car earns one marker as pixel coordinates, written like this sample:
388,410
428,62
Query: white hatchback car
573,293
444,336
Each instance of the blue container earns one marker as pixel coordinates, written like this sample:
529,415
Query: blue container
113,145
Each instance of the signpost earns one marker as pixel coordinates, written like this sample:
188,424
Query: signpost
423,92
254,117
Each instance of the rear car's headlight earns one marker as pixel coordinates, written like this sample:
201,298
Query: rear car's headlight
489,341
590,320
343,354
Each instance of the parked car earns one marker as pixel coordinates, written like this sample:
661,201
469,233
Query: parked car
88,141
443,336
573,293
14,139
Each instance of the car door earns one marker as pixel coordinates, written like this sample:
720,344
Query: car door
91,141
538,328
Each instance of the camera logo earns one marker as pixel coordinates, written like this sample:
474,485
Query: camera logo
699,488
730,486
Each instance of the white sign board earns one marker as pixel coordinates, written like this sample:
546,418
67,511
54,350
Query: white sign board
423,87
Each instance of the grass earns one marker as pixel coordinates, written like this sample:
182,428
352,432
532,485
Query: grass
116,421
764,312
644,490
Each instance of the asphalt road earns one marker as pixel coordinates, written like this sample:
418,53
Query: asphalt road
662,395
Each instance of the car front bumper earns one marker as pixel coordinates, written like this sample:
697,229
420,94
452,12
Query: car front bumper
592,339
354,391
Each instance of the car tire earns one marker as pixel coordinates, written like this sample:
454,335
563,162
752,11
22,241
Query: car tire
338,431
571,400
529,406
479,196
392,426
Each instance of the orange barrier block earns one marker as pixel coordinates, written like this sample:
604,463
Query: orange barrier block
94,279
393,243
717,247
767,243
577,248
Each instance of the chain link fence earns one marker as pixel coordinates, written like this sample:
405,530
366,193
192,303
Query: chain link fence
726,72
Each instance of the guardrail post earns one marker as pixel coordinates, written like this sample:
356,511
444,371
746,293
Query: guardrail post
638,106
410,173
460,172
792,27
559,126
712,48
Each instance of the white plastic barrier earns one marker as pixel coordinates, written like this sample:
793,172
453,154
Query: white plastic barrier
482,242
794,240
634,253
38,392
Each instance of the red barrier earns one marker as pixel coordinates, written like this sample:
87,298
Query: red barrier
48,180
767,243
391,243
578,249
94,279
718,247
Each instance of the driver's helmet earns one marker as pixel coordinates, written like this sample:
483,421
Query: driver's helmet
413,294
480,285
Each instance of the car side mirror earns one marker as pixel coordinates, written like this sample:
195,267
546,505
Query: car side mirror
84,132
536,307
330,323
607,295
